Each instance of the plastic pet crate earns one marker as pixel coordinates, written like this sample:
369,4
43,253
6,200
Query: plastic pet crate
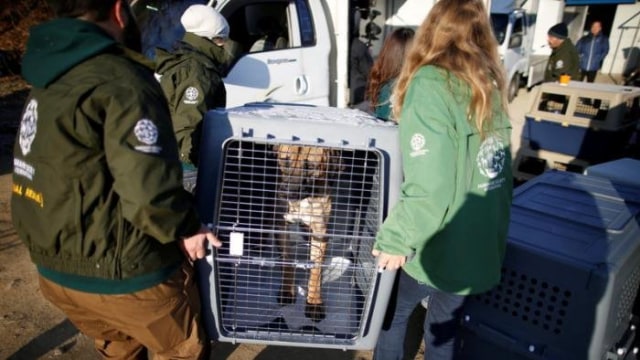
593,122
296,194
625,170
570,274
530,163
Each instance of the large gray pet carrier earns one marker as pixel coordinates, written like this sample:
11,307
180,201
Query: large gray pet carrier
296,193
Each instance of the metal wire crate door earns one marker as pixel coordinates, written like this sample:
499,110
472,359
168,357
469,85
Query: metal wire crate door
272,241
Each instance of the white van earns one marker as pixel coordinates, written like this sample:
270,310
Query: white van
286,48
292,51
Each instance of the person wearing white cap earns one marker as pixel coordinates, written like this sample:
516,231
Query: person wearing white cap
205,22
191,76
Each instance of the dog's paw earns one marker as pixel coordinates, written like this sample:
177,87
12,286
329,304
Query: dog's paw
315,312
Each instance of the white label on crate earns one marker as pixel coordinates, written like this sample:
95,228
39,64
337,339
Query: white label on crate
236,241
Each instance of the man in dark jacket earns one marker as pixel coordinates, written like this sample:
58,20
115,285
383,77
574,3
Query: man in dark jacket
191,76
360,63
592,49
97,188
564,56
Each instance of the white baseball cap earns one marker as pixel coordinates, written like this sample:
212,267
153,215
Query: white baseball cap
205,21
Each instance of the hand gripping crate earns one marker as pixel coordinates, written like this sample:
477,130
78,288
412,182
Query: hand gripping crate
296,194
588,121
570,274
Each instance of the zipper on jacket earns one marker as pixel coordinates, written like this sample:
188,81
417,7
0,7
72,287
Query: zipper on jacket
469,166
77,188
468,155
593,43
117,264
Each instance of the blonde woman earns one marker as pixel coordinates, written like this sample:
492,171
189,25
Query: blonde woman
448,232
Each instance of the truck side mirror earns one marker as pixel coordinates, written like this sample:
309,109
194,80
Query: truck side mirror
515,41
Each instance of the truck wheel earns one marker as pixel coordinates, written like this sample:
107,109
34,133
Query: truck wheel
514,86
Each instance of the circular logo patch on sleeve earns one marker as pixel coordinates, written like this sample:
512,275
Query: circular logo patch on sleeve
147,133
418,144
191,95
28,126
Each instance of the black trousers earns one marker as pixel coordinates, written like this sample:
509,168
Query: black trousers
590,75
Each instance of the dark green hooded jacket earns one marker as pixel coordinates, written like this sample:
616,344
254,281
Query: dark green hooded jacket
97,184
191,78
563,60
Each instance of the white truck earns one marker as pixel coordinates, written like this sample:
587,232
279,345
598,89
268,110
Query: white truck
301,71
521,31
307,61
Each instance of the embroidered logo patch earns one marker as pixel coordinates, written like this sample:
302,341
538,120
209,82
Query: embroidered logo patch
559,64
418,144
147,133
191,95
28,126
23,168
491,157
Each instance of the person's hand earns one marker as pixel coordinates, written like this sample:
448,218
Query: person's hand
388,261
194,246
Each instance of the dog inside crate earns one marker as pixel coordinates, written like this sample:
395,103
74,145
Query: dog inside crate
306,217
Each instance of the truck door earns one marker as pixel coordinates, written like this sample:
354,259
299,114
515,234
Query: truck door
515,44
281,57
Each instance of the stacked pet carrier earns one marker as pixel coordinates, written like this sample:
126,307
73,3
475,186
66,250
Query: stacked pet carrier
573,126
296,194
624,170
570,275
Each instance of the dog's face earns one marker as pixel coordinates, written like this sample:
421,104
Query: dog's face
302,169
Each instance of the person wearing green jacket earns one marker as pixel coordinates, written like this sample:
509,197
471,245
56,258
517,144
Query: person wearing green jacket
191,76
97,187
447,233
564,58
385,70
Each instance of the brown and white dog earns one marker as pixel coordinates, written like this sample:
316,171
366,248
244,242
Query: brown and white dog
303,189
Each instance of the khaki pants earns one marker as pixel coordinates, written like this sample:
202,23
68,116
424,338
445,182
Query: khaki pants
164,319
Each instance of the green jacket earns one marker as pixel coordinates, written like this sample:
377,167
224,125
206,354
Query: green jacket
383,106
563,60
453,213
97,183
191,78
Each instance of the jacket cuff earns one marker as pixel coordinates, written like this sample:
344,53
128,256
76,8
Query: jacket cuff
392,246
191,227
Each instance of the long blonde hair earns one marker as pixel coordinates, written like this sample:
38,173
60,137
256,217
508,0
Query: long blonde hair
456,36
